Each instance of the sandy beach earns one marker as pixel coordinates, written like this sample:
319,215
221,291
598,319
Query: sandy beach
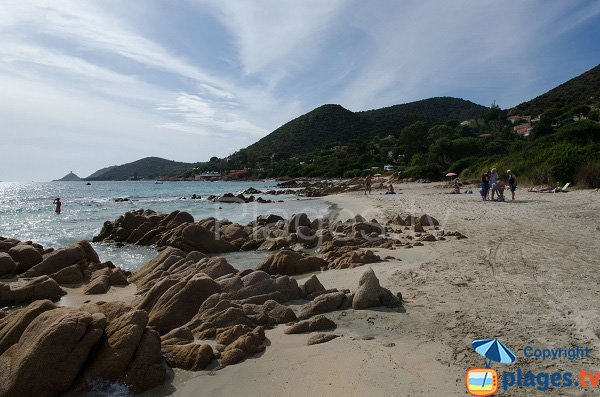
526,274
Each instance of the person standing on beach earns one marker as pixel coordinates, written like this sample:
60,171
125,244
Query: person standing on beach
485,186
58,205
512,183
368,182
493,180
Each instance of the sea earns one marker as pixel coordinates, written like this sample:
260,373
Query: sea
27,211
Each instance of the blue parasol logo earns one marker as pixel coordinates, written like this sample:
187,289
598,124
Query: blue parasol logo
494,350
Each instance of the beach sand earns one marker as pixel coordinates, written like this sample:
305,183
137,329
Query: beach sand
527,274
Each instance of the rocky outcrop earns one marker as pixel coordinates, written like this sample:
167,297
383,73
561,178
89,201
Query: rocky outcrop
28,290
290,263
371,294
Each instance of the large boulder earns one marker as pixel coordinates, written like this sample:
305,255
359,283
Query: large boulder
324,303
50,353
8,266
353,258
312,287
26,256
261,283
28,290
145,370
123,334
69,275
318,323
371,294
179,302
270,219
99,283
290,263
81,253
194,237
296,221
15,322
191,356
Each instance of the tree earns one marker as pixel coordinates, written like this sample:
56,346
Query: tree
441,131
414,138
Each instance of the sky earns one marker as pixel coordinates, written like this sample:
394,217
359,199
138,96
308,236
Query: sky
88,84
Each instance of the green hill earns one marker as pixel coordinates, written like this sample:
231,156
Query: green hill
330,125
581,90
146,168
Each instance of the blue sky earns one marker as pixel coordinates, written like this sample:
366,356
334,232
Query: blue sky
87,84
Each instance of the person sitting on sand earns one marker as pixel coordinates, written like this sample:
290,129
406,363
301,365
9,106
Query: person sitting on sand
368,181
512,183
391,190
58,205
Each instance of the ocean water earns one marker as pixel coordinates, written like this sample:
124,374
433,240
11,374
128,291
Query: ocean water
27,211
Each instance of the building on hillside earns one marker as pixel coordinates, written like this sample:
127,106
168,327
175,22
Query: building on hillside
516,119
340,148
523,129
207,176
388,168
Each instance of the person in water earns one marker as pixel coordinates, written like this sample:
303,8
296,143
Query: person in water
58,205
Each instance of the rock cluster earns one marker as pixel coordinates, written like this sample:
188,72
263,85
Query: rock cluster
47,350
35,273
237,198
184,299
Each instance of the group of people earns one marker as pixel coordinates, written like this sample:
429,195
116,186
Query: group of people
492,185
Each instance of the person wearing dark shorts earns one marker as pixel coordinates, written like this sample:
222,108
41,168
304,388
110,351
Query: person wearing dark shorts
512,183
485,186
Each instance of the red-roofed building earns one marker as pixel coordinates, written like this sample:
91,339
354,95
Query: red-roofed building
523,129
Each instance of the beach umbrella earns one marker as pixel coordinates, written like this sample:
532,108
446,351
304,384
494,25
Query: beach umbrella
493,350
451,174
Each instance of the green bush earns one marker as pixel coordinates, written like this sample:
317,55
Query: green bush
588,175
